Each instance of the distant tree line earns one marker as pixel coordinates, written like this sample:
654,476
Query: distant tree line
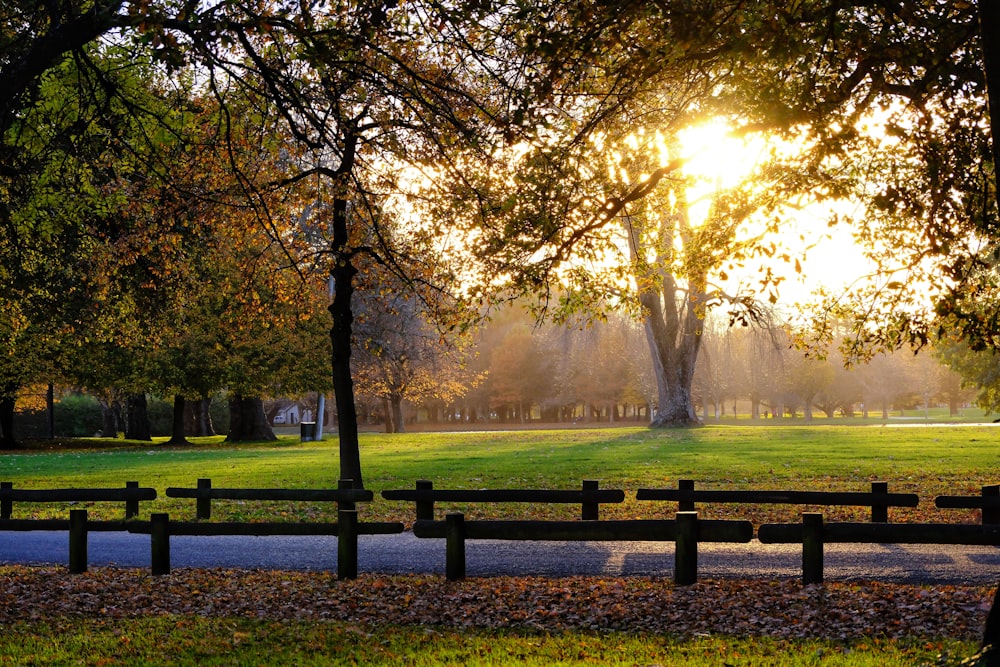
518,372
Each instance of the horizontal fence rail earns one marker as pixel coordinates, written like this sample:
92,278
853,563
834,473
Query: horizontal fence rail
347,528
879,499
686,529
345,495
131,495
988,502
589,497
625,530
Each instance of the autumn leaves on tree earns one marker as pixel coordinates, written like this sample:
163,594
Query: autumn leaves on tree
181,181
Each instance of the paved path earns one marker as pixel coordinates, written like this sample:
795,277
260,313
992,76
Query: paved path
397,554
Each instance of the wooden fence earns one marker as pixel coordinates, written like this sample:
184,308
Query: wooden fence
879,500
131,495
685,529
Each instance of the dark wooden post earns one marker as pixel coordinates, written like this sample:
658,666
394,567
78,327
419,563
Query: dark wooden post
685,505
77,541
454,562
203,506
991,515
347,534
425,508
686,549
347,544
812,548
345,485
6,505
880,512
131,504
159,543
590,511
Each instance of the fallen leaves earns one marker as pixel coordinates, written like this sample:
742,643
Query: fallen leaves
763,608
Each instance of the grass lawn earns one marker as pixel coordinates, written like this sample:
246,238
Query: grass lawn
927,460
204,642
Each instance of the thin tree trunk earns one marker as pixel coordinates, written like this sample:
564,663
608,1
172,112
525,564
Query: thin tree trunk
50,411
320,415
340,338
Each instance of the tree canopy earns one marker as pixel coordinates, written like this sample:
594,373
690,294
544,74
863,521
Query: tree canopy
480,151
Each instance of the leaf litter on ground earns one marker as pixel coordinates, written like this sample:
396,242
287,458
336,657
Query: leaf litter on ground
782,609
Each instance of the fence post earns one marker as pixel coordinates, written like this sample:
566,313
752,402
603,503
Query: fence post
991,515
880,512
590,511
77,541
685,505
454,563
425,508
812,548
131,504
159,543
686,549
203,506
347,544
345,485
6,505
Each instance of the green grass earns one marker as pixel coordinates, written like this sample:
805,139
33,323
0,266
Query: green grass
179,640
929,461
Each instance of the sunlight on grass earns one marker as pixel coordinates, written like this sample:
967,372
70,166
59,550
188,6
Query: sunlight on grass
173,640
927,461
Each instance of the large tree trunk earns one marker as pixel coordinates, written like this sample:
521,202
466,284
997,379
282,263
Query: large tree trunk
674,354
676,407
177,422
247,421
7,439
673,318
198,418
111,418
396,404
137,418
390,425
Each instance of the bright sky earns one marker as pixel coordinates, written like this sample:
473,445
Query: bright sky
719,160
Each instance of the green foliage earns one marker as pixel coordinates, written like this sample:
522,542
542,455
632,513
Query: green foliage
78,415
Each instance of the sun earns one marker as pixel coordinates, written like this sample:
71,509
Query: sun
716,157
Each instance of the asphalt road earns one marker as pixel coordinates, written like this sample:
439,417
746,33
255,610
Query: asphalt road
400,554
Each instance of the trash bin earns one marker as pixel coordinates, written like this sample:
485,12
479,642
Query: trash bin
308,431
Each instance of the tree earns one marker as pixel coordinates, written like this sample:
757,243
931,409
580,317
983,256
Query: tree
896,104
520,375
979,369
62,158
372,93
403,356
